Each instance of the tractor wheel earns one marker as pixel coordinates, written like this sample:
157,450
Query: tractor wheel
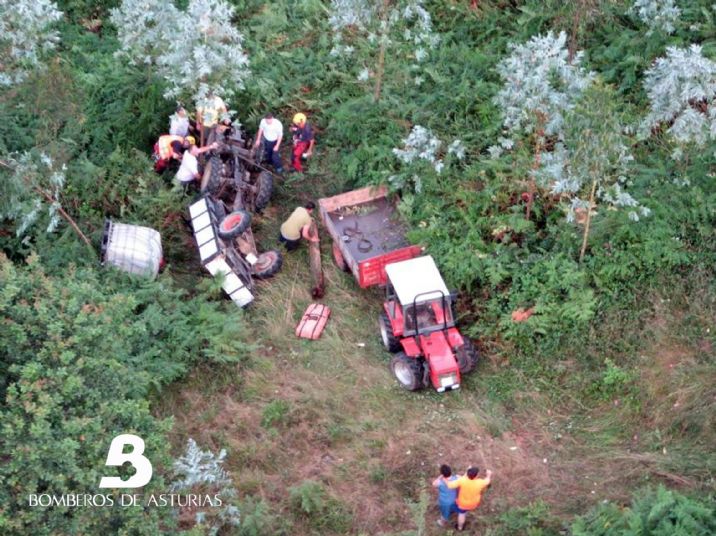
211,180
338,258
390,341
234,224
264,189
268,264
467,356
408,371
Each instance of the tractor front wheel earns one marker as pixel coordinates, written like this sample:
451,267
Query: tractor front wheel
408,371
268,264
467,356
390,341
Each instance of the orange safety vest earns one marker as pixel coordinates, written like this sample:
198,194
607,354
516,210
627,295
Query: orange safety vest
165,145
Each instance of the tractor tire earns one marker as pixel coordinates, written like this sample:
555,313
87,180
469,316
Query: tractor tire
268,265
211,180
466,356
409,371
234,224
264,189
339,259
390,341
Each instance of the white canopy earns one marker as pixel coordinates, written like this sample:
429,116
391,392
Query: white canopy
414,277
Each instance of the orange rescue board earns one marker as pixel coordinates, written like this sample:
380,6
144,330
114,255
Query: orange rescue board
313,321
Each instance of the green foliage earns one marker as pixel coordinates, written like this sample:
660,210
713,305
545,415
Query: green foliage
275,413
311,502
81,352
658,512
534,519
257,519
614,379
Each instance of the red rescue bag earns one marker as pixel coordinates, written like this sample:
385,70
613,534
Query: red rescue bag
313,321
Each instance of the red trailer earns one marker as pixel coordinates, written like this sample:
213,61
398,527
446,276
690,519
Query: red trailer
417,324
367,233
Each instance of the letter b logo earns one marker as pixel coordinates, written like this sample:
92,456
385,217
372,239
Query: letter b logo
116,457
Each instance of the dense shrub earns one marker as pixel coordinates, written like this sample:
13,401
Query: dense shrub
80,354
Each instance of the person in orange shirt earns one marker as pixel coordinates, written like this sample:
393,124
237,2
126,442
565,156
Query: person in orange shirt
469,495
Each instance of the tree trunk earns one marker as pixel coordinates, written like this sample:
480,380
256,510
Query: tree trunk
381,54
314,257
588,222
576,20
536,163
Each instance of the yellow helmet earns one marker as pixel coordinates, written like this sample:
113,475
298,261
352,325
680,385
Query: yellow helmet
299,119
191,140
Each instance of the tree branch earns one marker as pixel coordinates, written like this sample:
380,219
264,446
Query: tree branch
66,216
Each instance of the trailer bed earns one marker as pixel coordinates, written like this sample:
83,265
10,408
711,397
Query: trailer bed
366,228
369,229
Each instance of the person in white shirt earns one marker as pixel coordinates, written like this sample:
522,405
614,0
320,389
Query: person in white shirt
271,130
189,169
179,123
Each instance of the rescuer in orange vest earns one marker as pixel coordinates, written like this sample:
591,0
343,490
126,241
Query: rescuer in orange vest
169,148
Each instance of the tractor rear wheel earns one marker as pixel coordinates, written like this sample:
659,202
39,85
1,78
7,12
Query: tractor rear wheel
268,264
390,341
467,356
264,189
211,180
234,224
408,371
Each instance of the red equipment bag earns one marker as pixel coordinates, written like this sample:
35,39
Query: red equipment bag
313,321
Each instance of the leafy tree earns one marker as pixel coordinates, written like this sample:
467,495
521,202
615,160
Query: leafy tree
421,153
30,181
387,24
593,160
657,14
541,85
25,34
197,51
682,94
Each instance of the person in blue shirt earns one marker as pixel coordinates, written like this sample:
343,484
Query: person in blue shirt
446,496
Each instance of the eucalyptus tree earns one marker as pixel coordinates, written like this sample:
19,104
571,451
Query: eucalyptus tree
30,183
26,33
661,15
541,84
392,26
197,51
593,161
681,88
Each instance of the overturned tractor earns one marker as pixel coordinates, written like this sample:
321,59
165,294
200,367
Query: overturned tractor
233,187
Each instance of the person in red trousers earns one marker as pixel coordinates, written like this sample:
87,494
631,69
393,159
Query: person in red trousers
302,141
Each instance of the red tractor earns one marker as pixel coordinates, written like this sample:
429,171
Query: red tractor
418,327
